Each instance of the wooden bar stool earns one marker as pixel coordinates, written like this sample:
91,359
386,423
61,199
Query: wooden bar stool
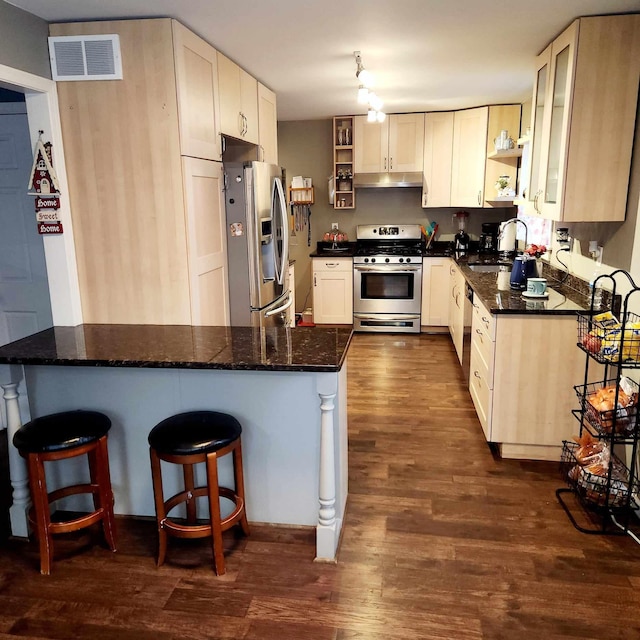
187,439
61,436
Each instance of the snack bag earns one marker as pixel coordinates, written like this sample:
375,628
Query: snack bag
610,347
631,345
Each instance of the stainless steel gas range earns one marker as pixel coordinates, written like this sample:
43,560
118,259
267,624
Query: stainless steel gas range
387,278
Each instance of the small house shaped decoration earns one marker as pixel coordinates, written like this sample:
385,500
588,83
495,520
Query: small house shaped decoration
43,179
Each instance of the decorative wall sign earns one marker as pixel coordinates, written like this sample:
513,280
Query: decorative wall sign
49,228
47,216
47,203
43,183
43,179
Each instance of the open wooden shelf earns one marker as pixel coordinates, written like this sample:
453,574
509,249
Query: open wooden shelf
516,152
302,195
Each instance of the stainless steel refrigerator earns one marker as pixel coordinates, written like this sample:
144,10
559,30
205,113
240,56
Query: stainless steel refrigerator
257,244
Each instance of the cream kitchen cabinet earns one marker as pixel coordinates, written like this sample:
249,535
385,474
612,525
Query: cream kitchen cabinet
206,241
456,307
469,157
583,120
435,292
393,146
438,152
460,166
147,220
196,69
523,399
238,101
267,124
333,290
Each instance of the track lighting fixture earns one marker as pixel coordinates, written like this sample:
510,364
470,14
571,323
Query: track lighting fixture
365,77
365,95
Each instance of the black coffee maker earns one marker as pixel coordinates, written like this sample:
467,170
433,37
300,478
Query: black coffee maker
489,237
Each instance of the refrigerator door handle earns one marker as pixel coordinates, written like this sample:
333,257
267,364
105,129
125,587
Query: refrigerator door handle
284,307
282,259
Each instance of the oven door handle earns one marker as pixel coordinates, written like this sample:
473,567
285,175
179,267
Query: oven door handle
387,316
387,268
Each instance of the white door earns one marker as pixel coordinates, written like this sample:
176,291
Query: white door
25,305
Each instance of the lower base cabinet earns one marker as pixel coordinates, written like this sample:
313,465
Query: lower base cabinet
435,292
523,368
333,291
456,307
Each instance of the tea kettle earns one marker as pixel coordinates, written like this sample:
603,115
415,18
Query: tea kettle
522,269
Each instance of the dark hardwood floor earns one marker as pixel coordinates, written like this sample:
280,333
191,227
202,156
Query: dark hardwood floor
442,540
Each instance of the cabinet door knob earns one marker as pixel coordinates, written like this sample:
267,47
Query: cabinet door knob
480,197
390,164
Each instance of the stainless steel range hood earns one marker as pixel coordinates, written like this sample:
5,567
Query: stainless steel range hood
378,180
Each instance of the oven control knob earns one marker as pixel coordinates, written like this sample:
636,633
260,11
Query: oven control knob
402,260
408,259
373,259
366,259
386,259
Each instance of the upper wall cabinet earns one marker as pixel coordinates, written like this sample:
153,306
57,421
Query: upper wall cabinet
238,101
583,120
438,150
197,88
393,146
460,165
267,124
469,156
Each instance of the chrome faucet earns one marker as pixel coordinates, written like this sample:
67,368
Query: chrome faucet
504,225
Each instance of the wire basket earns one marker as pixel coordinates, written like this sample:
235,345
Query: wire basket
595,489
608,340
620,420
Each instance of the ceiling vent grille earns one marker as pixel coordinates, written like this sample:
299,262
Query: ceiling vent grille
85,57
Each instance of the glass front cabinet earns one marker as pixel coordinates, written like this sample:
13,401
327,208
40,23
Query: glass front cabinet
583,119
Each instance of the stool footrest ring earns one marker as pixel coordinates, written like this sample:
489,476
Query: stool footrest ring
179,530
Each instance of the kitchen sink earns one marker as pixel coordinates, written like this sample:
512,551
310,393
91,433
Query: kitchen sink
488,268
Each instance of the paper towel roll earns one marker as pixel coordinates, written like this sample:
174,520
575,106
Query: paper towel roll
507,237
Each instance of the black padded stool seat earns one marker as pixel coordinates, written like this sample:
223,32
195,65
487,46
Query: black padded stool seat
188,439
61,431
194,432
61,436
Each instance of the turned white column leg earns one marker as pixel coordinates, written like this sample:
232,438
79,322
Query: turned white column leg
17,464
326,532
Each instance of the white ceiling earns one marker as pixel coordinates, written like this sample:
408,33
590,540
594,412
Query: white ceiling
427,55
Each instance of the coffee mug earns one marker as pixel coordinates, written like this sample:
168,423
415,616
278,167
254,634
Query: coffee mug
537,286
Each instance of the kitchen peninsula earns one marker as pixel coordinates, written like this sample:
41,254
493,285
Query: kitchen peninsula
287,387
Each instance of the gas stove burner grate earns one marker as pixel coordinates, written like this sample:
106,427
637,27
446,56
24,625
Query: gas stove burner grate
395,250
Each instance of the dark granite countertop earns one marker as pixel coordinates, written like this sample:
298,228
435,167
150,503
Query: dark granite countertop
177,346
563,299
326,250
